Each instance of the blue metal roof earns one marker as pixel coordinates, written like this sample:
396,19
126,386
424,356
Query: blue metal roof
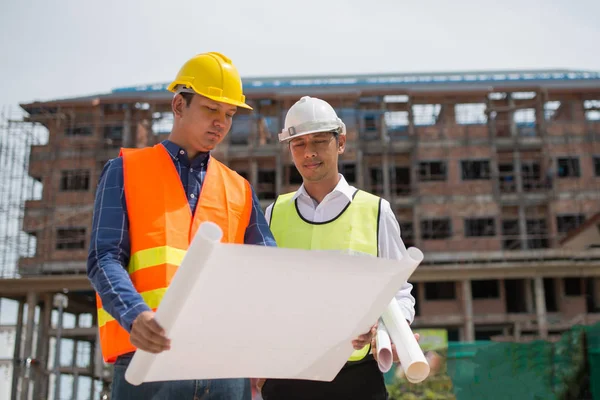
349,81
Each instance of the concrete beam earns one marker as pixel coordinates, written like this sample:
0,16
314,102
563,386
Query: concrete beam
506,256
75,371
43,284
512,270
88,334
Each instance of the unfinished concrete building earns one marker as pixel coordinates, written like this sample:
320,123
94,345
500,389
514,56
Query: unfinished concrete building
487,172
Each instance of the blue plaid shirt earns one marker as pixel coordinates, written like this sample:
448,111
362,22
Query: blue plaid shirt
109,251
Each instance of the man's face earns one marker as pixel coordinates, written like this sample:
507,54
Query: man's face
204,122
316,155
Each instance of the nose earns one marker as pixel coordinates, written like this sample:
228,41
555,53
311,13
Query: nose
220,121
310,151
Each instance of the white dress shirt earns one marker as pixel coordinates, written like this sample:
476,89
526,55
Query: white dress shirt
389,230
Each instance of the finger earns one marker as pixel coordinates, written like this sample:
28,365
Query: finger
395,353
260,384
149,336
417,336
145,345
155,327
359,344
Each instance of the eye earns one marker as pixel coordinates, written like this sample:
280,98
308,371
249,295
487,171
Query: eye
229,115
211,109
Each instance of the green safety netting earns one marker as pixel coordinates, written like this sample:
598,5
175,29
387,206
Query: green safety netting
491,370
536,370
593,345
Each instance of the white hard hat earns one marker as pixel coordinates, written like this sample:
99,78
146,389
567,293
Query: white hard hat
310,115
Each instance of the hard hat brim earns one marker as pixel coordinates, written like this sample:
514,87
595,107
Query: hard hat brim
218,99
285,136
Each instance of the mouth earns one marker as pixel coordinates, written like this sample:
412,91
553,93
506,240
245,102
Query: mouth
312,165
214,135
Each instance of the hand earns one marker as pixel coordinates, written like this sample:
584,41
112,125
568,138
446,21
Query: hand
260,383
394,352
147,335
364,339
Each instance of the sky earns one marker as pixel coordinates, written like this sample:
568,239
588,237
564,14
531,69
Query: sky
64,48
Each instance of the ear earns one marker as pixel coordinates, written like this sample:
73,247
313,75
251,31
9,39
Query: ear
177,105
341,144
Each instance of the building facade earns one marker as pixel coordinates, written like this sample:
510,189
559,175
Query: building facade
487,173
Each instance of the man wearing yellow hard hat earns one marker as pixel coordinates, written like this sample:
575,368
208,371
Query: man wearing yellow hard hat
149,203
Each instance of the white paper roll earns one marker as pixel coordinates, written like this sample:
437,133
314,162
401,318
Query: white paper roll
208,234
385,358
411,356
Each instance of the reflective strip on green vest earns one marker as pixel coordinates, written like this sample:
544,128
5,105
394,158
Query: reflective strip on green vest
355,230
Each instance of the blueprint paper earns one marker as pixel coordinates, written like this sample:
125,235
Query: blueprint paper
412,360
241,311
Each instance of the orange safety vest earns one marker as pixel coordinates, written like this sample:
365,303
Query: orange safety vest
161,227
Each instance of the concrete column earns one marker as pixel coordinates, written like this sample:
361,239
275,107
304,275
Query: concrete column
253,173
540,306
17,355
95,361
502,292
385,170
518,174
517,334
40,390
128,139
360,169
61,302
98,360
27,372
468,311
74,366
416,225
528,296
511,116
278,174
383,134
596,292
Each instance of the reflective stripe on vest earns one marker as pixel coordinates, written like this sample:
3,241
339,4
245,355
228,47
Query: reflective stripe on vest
354,230
161,227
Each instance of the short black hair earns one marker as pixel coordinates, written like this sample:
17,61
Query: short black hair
187,97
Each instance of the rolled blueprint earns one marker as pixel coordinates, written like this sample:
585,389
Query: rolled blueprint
411,356
385,358
208,235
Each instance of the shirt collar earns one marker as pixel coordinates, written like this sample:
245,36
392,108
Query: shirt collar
176,152
342,187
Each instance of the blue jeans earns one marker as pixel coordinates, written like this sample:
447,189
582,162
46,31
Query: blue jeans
216,389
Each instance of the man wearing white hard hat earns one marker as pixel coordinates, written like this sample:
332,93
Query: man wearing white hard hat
326,213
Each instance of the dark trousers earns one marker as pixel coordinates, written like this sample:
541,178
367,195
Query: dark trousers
360,381
216,389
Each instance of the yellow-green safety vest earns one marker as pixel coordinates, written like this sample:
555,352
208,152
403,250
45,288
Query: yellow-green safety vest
354,230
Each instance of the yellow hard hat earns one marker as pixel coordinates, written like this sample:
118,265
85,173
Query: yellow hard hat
211,75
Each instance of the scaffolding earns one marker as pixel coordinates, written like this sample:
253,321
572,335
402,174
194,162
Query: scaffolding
50,341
